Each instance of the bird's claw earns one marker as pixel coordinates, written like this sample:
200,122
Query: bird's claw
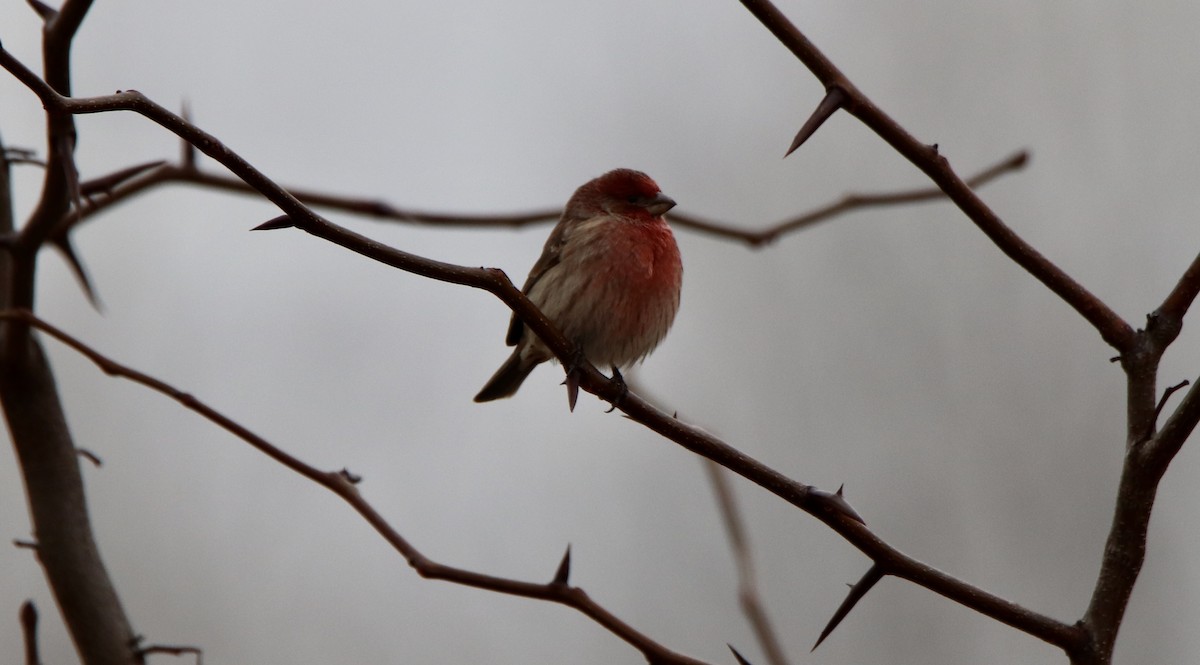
620,381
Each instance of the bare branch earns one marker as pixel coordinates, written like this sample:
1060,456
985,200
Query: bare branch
106,184
820,505
170,173
1112,328
748,594
848,203
1176,305
341,484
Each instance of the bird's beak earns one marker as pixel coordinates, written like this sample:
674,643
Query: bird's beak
659,205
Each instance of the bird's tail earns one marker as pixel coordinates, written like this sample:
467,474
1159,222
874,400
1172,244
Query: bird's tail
507,379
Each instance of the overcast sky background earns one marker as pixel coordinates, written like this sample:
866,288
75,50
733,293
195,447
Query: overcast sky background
974,418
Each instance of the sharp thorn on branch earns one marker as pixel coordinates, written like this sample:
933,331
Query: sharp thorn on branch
63,244
43,10
107,183
836,502
280,222
738,656
834,98
563,574
874,574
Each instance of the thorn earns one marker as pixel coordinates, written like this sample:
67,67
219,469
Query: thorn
63,244
564,569
280,222
834,98
934,148
738,656
572,380
620,380
837,503
874,574
90,456
351,478
108,182
1115,359
25,544
43,10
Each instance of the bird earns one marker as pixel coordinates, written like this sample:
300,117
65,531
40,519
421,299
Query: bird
609,277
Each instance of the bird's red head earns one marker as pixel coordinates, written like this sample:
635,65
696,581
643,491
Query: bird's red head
621,192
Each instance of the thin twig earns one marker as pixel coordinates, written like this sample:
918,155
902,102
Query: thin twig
748,593
173,650
382,210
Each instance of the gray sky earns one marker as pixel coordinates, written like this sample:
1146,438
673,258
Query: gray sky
974,418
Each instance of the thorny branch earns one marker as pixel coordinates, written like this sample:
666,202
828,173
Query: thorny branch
343,484
1115,331
830,509
104,192
1148,452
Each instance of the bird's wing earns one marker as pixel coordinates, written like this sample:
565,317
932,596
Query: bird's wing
551,254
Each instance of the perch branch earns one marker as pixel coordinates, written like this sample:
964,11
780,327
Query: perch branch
828,508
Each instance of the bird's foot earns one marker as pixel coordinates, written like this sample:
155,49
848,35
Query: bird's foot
620,381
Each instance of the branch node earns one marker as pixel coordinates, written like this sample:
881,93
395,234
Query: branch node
836,503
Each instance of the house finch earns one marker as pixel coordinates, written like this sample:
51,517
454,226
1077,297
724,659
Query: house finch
608,277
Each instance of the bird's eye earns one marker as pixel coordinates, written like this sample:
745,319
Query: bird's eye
632,199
